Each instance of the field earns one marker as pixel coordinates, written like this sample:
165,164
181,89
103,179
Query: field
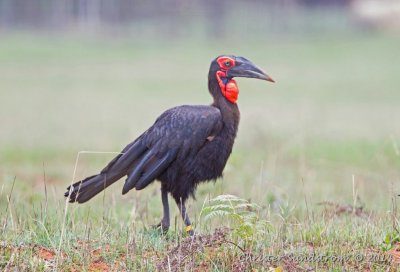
318,152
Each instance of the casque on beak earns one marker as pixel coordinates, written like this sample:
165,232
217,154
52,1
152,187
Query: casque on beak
245,68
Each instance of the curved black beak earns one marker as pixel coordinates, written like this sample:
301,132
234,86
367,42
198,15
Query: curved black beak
245,68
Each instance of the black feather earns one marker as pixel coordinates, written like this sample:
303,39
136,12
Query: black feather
134,176
85,189
156,169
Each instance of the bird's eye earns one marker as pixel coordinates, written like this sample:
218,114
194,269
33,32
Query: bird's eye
227,63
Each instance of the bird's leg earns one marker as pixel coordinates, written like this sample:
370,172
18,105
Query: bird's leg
165,221
185,217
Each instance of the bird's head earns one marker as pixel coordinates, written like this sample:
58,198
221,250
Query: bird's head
224,68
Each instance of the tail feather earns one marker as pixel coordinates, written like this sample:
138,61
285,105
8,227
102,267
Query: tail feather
84,190
87,188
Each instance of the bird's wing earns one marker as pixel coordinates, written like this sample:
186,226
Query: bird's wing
177,133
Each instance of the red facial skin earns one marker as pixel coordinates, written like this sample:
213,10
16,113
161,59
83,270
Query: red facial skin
229,90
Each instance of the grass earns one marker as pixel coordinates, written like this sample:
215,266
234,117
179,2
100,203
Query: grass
318,152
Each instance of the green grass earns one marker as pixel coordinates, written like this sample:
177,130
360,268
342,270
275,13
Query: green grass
326,132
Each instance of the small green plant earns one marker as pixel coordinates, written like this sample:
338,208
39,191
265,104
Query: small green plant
247,224
390,240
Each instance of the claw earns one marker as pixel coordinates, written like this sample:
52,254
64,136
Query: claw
189,230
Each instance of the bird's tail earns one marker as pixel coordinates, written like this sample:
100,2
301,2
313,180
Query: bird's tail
84,190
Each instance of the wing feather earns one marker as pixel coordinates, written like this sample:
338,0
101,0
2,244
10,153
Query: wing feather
155,169
134,176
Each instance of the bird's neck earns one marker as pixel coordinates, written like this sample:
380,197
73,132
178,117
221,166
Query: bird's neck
228,87
229,110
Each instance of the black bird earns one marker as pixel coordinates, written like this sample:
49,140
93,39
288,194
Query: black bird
185,146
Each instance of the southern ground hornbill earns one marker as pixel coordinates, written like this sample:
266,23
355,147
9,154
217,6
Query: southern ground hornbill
185,146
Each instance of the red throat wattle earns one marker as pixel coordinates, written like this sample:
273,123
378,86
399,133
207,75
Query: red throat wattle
229,90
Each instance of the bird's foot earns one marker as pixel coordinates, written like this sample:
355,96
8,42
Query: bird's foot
162,227
189,230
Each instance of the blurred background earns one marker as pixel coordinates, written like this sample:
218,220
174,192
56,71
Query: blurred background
93,74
